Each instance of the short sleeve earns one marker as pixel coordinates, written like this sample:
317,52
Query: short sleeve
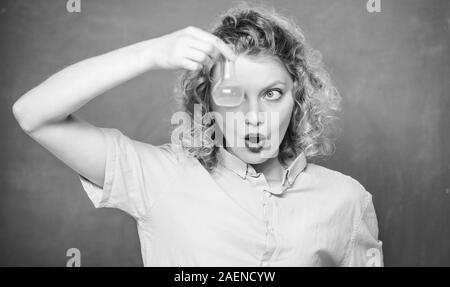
365,249
136,174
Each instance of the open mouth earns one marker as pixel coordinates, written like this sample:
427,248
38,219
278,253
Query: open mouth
254,141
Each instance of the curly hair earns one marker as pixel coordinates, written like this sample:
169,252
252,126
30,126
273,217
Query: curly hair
259,31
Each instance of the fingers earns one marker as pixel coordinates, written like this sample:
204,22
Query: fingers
203,46
198,56
213,40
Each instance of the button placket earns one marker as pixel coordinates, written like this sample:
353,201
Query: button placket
268,217
270,242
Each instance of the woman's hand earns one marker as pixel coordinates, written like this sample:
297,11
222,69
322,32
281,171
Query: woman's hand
190,48
71,88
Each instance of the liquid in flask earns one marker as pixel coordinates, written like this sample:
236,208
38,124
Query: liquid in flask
228,92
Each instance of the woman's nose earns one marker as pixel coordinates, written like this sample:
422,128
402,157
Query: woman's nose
254,116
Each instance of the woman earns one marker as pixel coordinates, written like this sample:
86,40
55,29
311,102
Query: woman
218,195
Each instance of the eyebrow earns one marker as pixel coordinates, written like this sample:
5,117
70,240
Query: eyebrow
274,83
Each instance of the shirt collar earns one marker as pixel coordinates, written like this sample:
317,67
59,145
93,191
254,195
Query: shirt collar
243,169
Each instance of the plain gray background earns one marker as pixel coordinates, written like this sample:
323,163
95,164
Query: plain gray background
392,69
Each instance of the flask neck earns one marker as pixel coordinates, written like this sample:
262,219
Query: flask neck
228,70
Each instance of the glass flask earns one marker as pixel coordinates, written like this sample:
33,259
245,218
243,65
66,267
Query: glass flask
227,92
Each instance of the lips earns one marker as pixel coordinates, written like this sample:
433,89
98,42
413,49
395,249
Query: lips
254,141
254,137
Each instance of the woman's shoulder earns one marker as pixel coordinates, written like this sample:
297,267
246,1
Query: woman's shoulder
170,151
167,153
338,185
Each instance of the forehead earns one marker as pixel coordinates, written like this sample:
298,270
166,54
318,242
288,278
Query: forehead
257,72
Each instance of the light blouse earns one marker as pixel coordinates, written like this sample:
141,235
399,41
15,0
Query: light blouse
187,216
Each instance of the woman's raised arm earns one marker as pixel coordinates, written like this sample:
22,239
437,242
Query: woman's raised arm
45,112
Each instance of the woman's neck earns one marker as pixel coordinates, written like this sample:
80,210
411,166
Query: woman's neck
271,168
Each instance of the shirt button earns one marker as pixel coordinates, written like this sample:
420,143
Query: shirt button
267,193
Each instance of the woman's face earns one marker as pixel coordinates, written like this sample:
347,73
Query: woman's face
265,110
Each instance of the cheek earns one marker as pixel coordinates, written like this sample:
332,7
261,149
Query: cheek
221,120
285,112
286,115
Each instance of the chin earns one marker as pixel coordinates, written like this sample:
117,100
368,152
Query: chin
254,157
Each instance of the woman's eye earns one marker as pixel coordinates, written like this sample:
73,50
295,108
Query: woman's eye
273,94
